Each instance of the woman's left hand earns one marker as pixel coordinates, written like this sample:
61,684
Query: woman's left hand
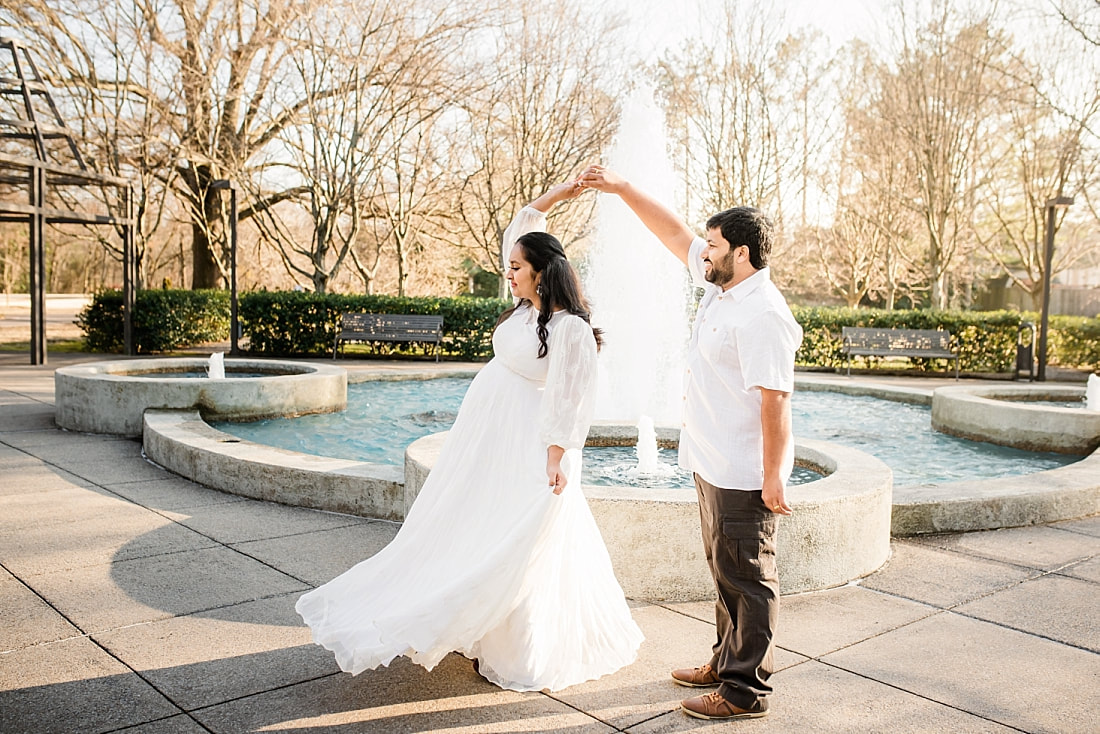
567,190
556,194
554,474
557,478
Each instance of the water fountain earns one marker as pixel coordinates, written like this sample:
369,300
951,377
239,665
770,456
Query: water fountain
639,291
112,397
1092,393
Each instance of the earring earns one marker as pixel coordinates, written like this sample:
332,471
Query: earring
538,289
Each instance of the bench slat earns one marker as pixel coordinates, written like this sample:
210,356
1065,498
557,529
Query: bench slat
861,341
371,327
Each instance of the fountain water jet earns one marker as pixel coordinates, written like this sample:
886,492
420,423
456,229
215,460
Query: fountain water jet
648,463
216,369
639,291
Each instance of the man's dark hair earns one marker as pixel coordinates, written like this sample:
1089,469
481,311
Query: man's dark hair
745,225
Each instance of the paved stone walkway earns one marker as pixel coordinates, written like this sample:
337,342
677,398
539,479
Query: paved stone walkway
133,600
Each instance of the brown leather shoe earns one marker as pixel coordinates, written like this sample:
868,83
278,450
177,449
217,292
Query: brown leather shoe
696,677
713,706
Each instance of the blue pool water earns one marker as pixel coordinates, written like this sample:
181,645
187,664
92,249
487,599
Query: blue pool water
384,417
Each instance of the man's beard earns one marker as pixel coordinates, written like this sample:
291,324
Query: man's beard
721,271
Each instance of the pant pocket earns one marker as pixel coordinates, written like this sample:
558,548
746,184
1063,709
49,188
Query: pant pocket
751,542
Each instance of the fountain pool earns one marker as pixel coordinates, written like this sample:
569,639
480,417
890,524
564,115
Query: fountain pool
384,417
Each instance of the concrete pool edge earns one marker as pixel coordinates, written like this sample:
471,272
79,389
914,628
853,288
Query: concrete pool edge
182,442
110,397
895,393
1006,415
839,532
1066,493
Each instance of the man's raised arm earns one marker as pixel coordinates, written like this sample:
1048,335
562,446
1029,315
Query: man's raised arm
658,219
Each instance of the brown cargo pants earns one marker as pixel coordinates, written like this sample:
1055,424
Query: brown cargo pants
739,540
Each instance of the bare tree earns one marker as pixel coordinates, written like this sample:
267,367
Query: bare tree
215,80
868,248
1047,147
551,106
386,67
1082,16
937,96
813,122
746,112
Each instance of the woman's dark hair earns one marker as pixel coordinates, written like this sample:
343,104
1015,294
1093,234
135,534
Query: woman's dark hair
561,288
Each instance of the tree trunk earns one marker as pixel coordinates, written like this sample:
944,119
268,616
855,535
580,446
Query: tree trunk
205,272
937,292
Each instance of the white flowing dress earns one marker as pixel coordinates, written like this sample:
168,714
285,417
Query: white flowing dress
489,562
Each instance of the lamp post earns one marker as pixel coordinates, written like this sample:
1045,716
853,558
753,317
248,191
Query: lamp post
1048,259
222,183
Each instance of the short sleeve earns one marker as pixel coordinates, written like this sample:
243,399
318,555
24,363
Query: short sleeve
569,398
695,263
767,351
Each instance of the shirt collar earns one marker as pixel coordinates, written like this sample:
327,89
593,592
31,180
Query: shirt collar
742,290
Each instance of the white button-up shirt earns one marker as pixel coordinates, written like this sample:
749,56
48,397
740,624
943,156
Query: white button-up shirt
743,339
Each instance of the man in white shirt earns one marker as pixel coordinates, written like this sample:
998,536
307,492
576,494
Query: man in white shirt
735,438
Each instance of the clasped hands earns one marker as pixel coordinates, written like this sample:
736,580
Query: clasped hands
594,177
599,178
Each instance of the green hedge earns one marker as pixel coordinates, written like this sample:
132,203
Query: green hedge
163,320
288,323
986,339
1074,341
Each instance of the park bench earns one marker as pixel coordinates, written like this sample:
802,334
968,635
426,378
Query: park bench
869,342
388,327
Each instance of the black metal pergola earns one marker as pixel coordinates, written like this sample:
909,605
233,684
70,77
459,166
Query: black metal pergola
38,125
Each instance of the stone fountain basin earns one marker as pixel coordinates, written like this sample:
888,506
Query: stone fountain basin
839,532
840,529
111,397
1004,415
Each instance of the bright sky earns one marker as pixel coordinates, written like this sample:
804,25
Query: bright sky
664,24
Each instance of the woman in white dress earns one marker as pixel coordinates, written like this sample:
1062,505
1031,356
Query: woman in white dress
499,557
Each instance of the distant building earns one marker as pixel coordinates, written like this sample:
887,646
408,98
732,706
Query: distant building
1074,292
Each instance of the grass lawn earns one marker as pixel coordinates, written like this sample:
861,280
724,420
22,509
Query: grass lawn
52,345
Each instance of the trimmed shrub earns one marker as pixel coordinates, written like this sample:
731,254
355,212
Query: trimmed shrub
298,323
986,339
1074,342
163,320
286,323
